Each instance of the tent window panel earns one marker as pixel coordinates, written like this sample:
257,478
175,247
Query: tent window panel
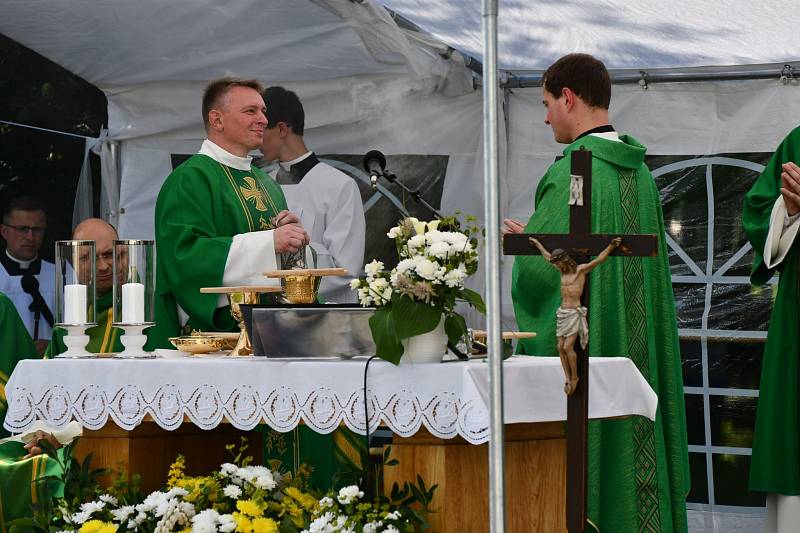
689,304
691,362
731,473
697,471
731,183
740,307
732,420
735,364
695,427
685,206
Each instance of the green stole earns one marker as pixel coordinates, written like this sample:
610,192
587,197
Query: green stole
17,490
103,338
201,206
775,463
638,470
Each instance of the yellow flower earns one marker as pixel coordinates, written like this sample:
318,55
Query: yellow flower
249,508
243,524
433,224
97,526
176,470
307,501
265,525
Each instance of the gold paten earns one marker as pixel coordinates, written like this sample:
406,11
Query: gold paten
198,344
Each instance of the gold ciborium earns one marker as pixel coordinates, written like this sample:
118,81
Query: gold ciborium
198,343
237,296
300,284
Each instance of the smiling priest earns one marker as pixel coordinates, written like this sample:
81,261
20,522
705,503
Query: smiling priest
219,220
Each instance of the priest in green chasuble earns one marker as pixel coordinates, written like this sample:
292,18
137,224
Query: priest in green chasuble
771,218
103,338
219,220
638,469
15,345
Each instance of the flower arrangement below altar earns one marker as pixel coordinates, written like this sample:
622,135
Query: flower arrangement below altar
421,292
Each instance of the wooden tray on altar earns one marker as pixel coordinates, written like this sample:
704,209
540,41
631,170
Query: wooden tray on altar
507,335
242,288
306,272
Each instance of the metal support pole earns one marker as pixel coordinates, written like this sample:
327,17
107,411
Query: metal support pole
493,288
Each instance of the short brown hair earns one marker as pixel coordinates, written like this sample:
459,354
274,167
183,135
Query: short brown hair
217,89
585,75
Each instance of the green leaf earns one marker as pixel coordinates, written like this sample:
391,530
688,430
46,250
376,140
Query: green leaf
387,345
456,327
474,299
413,318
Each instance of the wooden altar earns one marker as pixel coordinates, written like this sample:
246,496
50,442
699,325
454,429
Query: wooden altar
535,478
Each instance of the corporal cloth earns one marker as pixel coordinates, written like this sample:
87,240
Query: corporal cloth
638,469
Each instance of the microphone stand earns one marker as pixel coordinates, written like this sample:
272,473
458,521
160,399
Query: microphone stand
416,194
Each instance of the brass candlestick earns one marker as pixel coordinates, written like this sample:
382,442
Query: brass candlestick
236,297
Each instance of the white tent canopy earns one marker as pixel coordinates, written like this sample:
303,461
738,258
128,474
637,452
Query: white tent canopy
625,35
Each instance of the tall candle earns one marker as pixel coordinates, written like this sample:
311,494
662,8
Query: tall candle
132,303
75,304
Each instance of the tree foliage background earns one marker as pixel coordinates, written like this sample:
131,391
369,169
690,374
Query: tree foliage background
37,92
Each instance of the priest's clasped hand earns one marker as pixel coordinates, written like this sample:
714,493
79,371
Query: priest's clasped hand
289,235
790,181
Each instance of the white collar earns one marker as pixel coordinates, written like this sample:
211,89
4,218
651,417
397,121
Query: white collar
220,155
610,135
22,264
288,164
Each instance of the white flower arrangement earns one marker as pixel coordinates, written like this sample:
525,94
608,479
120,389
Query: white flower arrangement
435,259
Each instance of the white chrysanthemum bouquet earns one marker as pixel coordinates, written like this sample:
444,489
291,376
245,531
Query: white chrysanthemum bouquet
434,260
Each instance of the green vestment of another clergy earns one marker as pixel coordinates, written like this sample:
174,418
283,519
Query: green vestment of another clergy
638,469
201,206
15,345
103,338
775,464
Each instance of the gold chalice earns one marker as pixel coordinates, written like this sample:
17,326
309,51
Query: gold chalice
300,284
248,294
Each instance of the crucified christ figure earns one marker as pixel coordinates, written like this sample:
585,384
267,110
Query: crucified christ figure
571,316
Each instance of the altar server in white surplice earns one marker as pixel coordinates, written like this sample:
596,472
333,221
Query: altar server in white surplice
27,280
327,200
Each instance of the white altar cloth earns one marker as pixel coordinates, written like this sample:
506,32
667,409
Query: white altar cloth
449,399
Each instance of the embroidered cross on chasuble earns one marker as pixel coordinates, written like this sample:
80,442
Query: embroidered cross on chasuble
257,204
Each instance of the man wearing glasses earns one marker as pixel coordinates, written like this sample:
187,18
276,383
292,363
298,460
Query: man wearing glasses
25,278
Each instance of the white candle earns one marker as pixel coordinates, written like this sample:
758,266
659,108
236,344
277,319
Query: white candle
132,303
75,304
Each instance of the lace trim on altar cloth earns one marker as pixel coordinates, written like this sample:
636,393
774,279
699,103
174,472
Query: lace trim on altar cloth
444,415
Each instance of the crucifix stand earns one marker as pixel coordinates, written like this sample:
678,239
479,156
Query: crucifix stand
581,244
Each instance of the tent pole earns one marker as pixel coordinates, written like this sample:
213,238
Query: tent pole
492,258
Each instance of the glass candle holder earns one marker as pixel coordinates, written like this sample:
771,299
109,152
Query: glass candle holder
75,283
134,282
134,289
75,294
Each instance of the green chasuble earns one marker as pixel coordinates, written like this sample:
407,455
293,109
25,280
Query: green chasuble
17,492
103,338
638,470
775,464
201,206
15,345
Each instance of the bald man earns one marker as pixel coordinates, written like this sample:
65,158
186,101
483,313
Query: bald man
103,338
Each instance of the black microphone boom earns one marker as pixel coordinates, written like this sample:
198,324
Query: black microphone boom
374,164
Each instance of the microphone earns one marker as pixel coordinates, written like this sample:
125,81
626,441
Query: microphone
374,164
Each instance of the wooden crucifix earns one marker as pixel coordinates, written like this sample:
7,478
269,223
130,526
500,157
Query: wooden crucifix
580,244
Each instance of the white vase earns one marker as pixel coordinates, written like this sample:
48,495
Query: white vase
429,347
